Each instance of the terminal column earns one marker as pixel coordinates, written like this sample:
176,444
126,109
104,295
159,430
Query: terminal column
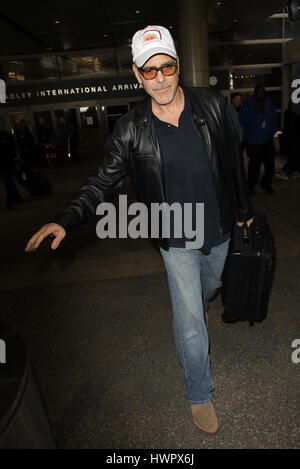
193,42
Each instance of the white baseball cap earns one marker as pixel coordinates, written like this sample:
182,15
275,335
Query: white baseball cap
150,41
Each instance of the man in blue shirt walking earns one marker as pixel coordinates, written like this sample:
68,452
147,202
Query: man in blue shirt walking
259,119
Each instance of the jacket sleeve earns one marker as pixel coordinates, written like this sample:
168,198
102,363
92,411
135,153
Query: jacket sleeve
244,211
101,186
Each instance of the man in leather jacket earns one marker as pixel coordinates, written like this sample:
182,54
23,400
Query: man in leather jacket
178,145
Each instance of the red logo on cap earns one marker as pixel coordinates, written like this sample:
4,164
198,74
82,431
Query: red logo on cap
152,34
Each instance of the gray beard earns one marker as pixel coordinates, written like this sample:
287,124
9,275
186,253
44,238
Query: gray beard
165,101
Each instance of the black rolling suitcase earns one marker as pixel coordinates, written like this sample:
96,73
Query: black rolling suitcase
248,273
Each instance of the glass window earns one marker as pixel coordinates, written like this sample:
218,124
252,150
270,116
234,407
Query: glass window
248,78
102,64
39,68
113,113
88,117
124,60
15,119
91,135
268,28
244,54
44,127
256,53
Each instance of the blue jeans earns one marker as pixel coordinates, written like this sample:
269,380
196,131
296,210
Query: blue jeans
193,279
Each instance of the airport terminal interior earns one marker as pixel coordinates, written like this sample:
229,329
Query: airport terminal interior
95,315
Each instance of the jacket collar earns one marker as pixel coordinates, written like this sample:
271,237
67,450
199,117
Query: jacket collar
197,112
143,112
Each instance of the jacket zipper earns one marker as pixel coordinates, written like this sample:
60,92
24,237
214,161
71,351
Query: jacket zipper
158,169
156,162
207,144
206,139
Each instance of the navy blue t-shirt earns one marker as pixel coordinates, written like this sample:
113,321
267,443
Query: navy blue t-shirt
188,177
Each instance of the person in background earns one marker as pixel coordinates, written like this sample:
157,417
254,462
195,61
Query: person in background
44,133
291,145
7,156
26,145
46,138
258,117
234,108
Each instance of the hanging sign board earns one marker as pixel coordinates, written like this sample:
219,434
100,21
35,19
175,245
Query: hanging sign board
73,90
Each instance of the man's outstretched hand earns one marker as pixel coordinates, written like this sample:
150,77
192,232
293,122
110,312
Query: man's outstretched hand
50,229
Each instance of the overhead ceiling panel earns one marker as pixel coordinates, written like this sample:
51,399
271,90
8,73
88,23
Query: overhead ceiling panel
13,41
83,23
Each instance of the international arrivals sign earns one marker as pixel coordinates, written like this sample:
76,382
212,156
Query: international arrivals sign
72,90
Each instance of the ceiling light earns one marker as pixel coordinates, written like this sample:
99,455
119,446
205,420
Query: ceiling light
171,27
57,21
219,3
138,11
235,21
105,35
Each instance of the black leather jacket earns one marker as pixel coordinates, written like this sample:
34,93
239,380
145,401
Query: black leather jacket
133,149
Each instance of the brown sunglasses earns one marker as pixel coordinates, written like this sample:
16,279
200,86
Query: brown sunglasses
151,72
